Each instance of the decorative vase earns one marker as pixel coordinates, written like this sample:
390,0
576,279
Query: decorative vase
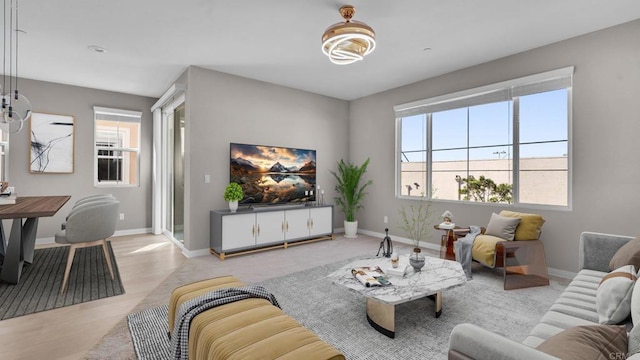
233,206
416,260
350,229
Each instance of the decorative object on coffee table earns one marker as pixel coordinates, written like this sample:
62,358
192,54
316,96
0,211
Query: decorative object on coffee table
233,193
447,222
414,221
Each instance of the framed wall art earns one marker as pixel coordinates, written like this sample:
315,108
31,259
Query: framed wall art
52,139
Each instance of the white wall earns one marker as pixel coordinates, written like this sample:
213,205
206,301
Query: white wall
223,108
606,150
45,97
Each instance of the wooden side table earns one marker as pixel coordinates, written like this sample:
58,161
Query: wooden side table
448,239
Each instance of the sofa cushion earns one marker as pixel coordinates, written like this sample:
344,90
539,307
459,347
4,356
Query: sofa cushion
529,227
587,342
628,254
635,304
634,341
613,297
502,227
484,249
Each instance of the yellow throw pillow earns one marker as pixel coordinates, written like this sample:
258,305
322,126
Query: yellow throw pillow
530,225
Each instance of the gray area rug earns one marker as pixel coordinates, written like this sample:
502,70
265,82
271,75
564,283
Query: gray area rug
39,286
337,315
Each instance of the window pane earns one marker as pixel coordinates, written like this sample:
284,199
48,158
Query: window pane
447,164
544,165
413,167
449,129
116,163
490,124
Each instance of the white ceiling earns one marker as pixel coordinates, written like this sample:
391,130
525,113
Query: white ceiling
151,42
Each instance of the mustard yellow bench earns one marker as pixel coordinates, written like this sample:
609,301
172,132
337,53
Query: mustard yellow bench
247,329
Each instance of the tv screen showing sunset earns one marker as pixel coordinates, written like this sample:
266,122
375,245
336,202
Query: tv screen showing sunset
272,174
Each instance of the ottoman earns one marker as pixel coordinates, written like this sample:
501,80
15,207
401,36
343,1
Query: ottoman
246,329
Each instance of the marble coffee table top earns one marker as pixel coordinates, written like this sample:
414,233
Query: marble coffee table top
437,275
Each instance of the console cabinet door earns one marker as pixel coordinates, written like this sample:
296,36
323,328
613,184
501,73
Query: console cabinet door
297,224
238,231
320,221
269,227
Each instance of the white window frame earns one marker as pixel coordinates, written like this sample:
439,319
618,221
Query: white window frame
512,89
116,115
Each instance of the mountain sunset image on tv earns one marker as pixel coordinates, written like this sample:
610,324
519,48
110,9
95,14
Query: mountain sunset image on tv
272,174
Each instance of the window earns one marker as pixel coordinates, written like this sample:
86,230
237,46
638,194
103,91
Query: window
117,147
505,143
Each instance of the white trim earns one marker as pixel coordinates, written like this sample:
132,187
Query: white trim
174,90
566,71
561,273
117,112
141,231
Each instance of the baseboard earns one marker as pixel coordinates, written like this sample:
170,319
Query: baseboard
562,273
552,271
424,244
51,240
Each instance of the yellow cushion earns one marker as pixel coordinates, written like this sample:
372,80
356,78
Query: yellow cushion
484,249
530,225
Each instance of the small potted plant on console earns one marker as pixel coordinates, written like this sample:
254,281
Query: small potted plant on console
233,193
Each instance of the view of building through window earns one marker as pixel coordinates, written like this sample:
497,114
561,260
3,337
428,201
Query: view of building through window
117,144
473,156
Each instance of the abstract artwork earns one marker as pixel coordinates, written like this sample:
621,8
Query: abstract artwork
51,143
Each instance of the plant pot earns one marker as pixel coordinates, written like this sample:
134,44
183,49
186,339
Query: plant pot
233,206
351,229
416,260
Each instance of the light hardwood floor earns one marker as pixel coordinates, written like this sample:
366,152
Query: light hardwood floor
144,261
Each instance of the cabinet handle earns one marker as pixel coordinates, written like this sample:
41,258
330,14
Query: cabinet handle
258,229
282,227
287,226
253,230
312,223
307,224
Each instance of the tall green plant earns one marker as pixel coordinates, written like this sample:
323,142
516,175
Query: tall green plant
350,191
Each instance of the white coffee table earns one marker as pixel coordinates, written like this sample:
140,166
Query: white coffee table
436,276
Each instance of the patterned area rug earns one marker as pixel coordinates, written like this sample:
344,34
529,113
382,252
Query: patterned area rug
337,315
39,286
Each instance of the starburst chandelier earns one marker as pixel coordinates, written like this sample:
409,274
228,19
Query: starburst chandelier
350,41
16,108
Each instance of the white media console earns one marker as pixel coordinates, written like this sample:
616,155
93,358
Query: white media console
250,230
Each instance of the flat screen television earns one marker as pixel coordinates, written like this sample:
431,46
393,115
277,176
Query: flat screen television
273,174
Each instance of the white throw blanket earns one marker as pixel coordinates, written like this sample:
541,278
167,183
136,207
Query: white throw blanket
190,308
463,247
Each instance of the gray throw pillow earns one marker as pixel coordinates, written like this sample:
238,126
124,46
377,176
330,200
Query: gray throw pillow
502,227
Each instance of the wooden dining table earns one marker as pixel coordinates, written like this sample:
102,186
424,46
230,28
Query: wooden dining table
22,240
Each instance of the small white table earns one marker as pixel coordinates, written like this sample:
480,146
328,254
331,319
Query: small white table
436,276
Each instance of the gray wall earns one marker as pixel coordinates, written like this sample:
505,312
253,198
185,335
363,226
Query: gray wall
223,108
45,97
606,150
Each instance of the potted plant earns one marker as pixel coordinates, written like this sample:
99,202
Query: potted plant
351,193
233,193
415,222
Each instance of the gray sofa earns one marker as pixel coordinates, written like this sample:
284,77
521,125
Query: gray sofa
575,306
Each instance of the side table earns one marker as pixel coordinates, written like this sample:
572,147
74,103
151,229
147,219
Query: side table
447,241
524,264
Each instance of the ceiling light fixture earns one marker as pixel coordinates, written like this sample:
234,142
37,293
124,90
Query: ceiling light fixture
350,41
16,108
